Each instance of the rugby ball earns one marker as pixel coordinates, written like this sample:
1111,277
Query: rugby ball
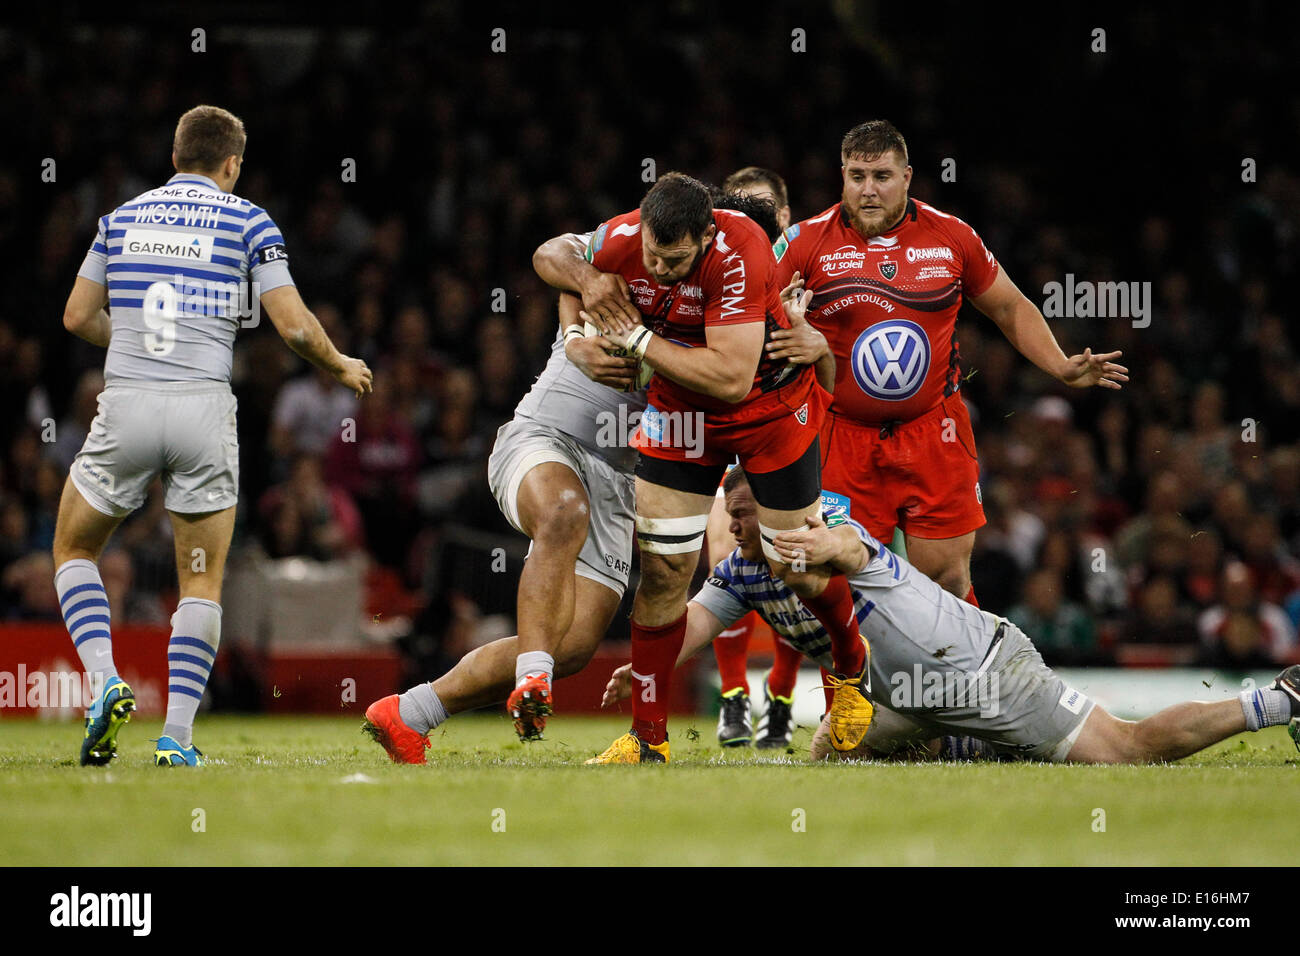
644,370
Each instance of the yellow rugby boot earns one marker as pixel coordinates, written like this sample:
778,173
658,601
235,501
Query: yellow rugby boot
851,711
632,749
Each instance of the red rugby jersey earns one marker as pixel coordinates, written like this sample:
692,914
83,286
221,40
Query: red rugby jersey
734,281
888,305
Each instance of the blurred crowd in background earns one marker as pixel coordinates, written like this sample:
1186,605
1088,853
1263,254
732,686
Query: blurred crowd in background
1166,515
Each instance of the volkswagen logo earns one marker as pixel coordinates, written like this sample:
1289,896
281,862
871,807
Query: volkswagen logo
890,360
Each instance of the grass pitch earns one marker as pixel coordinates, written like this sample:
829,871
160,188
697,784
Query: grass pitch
315,791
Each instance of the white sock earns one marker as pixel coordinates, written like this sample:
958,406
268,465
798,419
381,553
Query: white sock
196,632
533,662
84,604
421,709
1265,707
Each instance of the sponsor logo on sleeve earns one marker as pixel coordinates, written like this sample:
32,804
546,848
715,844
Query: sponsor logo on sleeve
835,508
597,240
275,252
782,244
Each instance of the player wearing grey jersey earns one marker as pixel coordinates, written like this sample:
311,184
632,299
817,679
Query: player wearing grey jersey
561,471
173,265
942,668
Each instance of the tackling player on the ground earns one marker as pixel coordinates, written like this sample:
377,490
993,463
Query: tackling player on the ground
888,274
172,265
706,283
949,679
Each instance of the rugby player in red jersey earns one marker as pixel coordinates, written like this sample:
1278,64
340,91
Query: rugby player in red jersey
705,281
776,725
888,274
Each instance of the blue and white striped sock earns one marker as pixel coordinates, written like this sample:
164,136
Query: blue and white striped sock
196,632
1265,707
85,612
966,748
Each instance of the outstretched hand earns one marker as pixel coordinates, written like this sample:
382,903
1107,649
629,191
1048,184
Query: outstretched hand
1086,369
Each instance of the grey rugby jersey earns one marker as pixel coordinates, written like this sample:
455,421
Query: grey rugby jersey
600,418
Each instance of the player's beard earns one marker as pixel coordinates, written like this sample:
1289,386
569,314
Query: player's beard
881,222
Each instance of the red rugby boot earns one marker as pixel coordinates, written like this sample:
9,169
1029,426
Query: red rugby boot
530,704
384,723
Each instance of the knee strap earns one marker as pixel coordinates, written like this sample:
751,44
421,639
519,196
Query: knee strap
671,535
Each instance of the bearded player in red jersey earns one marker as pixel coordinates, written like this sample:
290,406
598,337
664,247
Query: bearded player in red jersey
705,281
888,274
731,648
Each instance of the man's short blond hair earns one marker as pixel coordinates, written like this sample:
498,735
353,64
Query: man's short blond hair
871,140
205,137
